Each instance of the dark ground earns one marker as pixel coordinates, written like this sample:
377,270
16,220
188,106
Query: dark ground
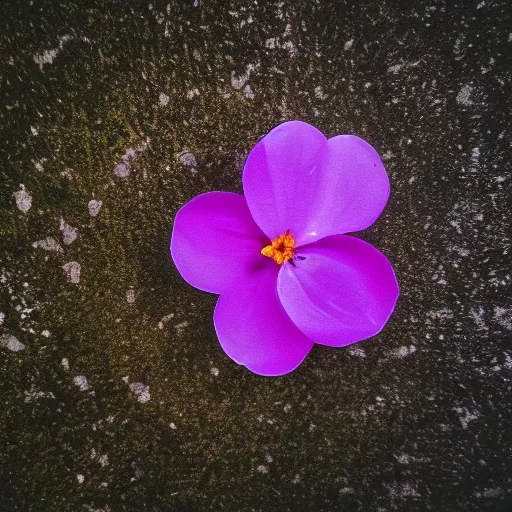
115,394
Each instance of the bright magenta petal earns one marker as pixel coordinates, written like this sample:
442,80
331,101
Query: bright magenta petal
215,241
280,175
254,329
294,179
355,186
342,292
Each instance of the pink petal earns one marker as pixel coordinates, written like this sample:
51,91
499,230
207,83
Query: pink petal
342,292
355,186
294,179
279,174
215,241
254,329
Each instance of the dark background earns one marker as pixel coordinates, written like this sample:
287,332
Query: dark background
416,418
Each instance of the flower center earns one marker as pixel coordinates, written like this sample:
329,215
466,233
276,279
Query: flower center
281,249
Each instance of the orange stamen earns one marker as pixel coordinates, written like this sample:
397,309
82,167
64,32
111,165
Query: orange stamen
281,249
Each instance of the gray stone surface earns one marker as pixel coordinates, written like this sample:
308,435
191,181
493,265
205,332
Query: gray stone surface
117,395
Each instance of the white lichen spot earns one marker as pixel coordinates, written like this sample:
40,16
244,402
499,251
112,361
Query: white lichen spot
441,315
290,47
348,44
81,382
181,326
248,92
11,342
188,160
319,93
48,56
72,271
123,168
23,199
478,317
130,296
357,352
69,233
46,333
403,351
405,490
262,469
164,320
94,207
192,93
395,69
163,99
39,165
464,95
141,391
2,318
457,47
475,157
173,426
214,372
504,317
103,460
465,416
237,82
65,38
271,43
403,458
45,57
80,479
48,244
490,493
65,363
34,394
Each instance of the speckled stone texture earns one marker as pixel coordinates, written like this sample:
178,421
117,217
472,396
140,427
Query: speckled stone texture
114,392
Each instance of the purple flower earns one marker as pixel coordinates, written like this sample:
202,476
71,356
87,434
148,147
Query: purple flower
287,275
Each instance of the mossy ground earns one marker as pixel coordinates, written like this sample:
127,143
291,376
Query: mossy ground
210,79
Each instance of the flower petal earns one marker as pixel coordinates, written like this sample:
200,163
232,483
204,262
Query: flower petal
215,241
342,292
254,329
294,179
279,174
355,187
